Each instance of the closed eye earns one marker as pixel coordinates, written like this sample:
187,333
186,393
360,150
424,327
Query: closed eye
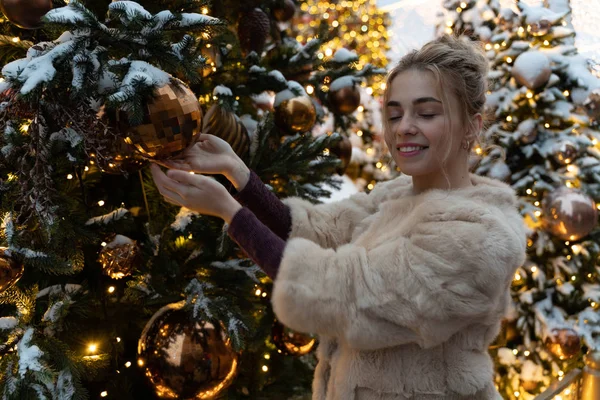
394,118
428,116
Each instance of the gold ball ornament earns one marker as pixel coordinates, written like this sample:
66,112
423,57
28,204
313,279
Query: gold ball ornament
344,100
10,270
285,11
530,386
26,14
296,114
563,343
532,69
119,257
343,150
183,358
569,213
291,343
227,126
172,121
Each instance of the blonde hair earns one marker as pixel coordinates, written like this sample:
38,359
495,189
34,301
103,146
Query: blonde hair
459,65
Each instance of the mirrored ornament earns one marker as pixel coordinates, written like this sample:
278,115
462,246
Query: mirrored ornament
345,99
290,342
563,343
532,69
184,358
119,257
295,115
569,214
26,14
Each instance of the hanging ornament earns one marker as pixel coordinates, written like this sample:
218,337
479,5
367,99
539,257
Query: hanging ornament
569,213
564,152
119,257
532,69
530,386
228,127
527,131
592,105
253,30
291,343
590,381
539,28
344,96
563,343
284,11
26,14
10,270
294,113
172,121
183,358
343,151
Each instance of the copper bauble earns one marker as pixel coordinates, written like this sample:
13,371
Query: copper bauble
172,121
530,386
227,126
344,100
297,114
343,150
592,105
183,358
565,152
290,342
285,12
539,28
26,14
10,270
119,256
532,69
563,343
569,213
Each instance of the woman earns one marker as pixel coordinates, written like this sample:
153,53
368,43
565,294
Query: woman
407,285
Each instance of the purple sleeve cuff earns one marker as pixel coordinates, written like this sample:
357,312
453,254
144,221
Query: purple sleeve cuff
263,246
266,206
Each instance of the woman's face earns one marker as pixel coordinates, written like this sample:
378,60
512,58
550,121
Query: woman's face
419,133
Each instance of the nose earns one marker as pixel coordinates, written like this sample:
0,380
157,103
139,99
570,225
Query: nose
407,126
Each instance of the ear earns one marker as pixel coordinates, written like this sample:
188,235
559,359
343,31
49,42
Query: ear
475,127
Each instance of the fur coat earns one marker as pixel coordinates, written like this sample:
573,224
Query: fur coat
406,292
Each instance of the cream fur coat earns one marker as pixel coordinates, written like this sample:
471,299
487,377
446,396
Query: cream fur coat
405,291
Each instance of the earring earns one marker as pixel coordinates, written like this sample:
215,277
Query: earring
466,145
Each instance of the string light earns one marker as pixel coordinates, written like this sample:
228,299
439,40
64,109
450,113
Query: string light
128,364
101,203
104,394
509,118
92,348
111,289
533,269
118,340
69,176
265,368
526,353
267,356
258,292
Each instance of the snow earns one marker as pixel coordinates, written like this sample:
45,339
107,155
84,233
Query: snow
67,135
535,14
29,354
530,65
140,71
506,356
183,219
190,19
131,8
532,372
344,55
567,197
53,313
277,75
255,69
342,82
221,90
107,218
68,14
566,288
8,322
119,240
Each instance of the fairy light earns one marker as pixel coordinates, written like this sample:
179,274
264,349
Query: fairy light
310,89
488,46
140,362
265,368
92,348
509,60
69,176
111,289
16,39
478,151
264,294
526,353
517,277
128,364
267,356
529,95
104,394
533,269
537,213
528,191
204,10
359,133
86,168
566,93
463,5
118,340
509,118
101,203
515,352
258,292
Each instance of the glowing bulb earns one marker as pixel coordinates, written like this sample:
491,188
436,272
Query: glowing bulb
509,60
128,364
458,9
566,93
509,118
560,373
101,203
360,109
265,368
204,10
517,394
546,43
517,277
533,269
529,95
546,125
463,4
537,213
488,46
528,191
267,356
515,352
111,289
103,244
593,304
526,353
104,394
16,39
258,292
118,340
359,133
140,362
310,89
92,347
86,168
69,176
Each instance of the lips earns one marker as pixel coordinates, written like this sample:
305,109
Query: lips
410,148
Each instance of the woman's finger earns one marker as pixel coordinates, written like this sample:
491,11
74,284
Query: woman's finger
185,178
177,164
167,186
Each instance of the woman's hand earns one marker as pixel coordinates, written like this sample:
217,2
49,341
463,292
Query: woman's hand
212,155
196,192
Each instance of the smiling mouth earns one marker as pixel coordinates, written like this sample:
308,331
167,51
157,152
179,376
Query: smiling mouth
411,149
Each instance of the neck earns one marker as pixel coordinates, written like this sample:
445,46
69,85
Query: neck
456,177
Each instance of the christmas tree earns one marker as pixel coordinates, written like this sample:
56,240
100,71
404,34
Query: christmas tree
544,105
106,290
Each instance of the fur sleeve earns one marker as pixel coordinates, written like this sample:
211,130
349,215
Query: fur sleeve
421,288
329,225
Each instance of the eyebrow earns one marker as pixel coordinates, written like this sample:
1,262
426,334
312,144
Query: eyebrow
420,100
